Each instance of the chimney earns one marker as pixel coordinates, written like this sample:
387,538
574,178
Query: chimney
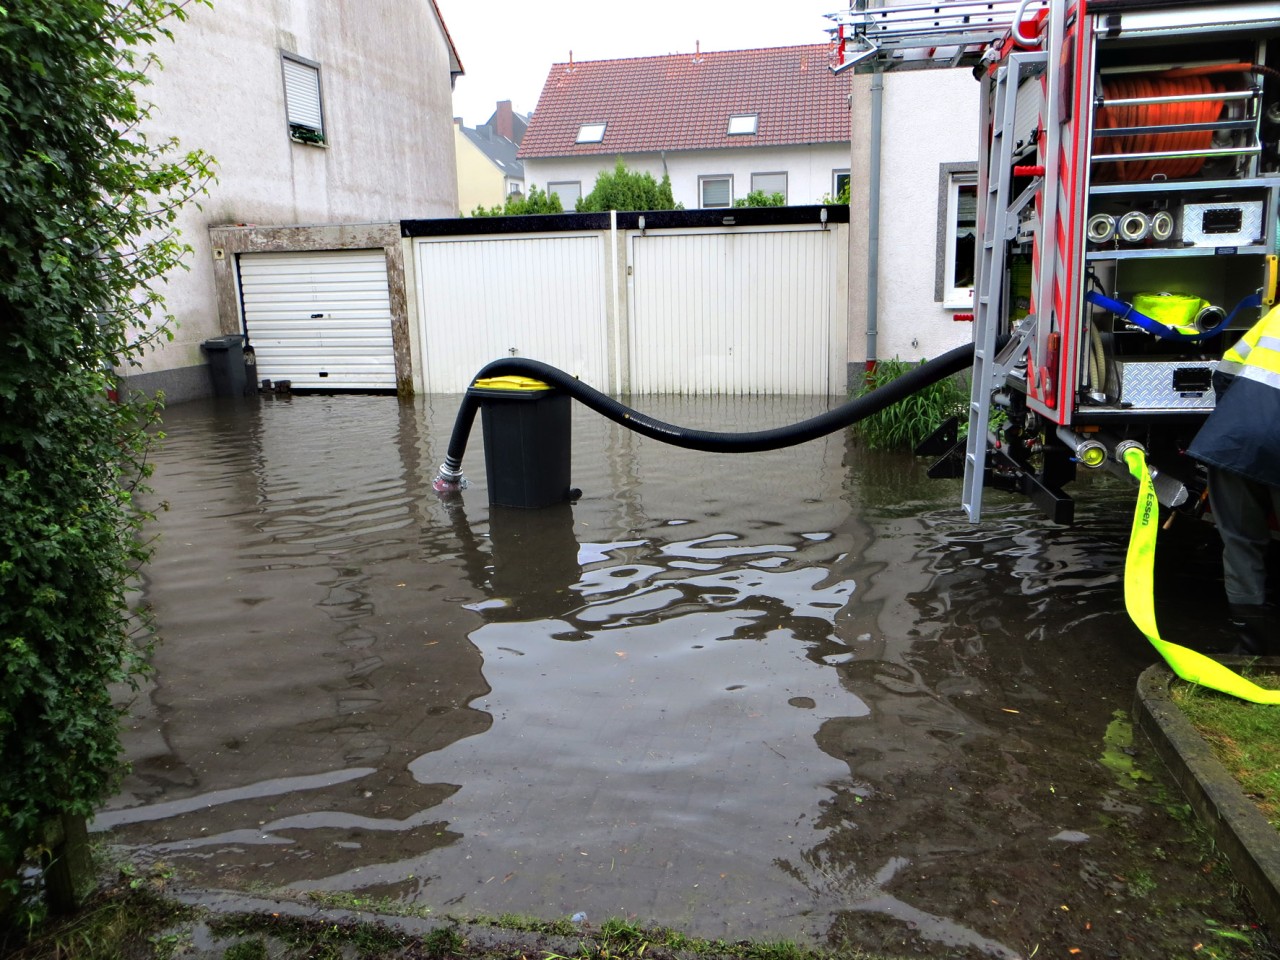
504,122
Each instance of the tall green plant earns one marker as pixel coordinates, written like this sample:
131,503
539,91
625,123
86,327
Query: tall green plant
905,423
86,236
758,198
841,197
623,189
538,201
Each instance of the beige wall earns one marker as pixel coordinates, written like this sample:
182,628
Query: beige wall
480,183
385,79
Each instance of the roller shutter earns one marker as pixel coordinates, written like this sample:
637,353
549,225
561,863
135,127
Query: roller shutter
320,319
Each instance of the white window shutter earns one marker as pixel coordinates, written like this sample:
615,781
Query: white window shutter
302,95
715,192
769,183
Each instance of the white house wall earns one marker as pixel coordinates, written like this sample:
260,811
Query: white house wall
385,86
930,118
810,169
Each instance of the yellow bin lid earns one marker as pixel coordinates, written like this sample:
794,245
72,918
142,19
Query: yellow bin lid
510,383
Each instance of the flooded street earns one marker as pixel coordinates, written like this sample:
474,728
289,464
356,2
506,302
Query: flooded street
779,695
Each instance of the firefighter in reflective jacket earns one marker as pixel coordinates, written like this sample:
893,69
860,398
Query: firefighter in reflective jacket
1240,443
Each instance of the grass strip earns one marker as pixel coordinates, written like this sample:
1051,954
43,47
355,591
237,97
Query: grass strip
1244,736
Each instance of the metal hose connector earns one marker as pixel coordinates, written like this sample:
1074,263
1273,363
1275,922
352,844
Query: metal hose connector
1124,446
450,478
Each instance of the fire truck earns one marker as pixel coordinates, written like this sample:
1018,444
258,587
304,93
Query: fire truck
1128,180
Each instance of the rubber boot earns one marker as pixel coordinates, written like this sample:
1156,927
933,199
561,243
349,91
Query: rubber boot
1255,627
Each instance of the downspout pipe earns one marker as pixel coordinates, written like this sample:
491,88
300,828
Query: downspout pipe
873,216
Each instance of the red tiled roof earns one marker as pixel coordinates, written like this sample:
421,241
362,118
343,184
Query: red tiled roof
683,101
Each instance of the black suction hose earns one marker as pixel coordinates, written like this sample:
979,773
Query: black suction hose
710,441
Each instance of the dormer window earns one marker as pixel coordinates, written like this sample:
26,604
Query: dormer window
591,133
742,124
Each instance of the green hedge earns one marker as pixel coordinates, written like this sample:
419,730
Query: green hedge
87,206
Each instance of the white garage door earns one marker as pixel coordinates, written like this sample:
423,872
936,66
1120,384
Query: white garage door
734,312
320,319
486,298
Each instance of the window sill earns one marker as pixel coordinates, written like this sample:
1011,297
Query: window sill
323,144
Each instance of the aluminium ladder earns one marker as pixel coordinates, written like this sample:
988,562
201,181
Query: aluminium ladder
997,226
918,36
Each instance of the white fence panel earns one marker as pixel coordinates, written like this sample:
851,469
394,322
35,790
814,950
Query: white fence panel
733,312
539,296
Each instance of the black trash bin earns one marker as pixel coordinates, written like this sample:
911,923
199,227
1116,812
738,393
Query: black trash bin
526,441
226,365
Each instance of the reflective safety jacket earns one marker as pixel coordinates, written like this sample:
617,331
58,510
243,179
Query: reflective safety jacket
1242,433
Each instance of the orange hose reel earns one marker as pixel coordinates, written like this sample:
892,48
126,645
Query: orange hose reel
1181,82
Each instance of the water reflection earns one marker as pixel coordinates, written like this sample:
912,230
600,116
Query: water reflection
298,647
791,694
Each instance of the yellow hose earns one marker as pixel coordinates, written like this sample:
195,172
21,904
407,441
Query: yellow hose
1139,599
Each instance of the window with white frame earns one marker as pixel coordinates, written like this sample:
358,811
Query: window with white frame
957,234
742,124
591,133
839,182
569,191
715,191
303,105
769,184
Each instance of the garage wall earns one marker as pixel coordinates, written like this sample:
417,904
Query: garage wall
312,252
482,298
734,312
739,302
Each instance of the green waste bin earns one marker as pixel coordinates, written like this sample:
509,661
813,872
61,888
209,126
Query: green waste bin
526,441
226,365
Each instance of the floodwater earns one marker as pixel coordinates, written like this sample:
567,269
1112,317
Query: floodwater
779,695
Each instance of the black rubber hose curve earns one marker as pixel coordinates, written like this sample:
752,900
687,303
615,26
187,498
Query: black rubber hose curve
709,441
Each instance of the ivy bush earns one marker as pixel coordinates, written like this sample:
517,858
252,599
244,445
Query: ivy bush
86,236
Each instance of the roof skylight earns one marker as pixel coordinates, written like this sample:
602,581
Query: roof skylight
742,123
591,133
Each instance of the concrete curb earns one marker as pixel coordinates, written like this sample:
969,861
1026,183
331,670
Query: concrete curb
487,939
1250,844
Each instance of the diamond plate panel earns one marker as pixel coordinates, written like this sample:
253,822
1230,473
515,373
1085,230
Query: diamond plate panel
1149,384
1222,224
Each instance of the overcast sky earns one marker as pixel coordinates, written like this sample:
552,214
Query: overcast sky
507,48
